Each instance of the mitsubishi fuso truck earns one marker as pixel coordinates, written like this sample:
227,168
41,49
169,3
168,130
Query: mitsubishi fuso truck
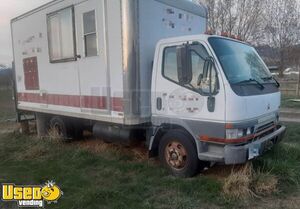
132,70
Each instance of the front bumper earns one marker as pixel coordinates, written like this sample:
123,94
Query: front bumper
239,154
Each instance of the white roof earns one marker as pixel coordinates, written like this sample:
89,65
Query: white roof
186,5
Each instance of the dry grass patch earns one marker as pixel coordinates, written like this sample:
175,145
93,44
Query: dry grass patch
8,127
136,153
264,183
244,182
35,152
53,135
238,184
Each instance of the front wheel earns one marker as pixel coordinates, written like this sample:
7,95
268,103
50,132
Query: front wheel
177,151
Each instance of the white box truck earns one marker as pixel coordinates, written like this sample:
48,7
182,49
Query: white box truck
143,69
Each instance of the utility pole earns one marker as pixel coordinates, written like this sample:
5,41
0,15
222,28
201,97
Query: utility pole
298,83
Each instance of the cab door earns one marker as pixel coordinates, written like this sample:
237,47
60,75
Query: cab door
188,103
92,68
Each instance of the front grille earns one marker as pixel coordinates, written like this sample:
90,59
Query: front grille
264,130
264,127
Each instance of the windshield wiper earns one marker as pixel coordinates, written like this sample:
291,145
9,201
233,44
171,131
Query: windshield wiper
261,86
272,78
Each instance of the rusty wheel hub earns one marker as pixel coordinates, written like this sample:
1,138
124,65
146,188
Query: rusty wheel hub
176,155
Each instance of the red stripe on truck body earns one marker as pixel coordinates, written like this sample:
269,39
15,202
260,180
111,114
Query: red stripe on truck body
93,102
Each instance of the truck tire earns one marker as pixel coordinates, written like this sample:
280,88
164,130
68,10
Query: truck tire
178,153
60,128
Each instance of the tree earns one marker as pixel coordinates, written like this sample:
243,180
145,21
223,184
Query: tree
250,19
236,17
283,29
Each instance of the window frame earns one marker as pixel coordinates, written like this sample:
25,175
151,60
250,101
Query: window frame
90,33
48,16
163,64
216,92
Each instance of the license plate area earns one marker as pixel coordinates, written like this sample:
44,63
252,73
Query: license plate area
254,151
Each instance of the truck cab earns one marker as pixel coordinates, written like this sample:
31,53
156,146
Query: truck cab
214,98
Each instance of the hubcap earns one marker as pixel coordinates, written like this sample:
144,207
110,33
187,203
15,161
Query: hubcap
176,155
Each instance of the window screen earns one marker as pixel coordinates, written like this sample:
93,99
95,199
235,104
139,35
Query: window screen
90,34
61,35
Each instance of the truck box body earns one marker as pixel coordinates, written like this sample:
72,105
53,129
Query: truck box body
92,59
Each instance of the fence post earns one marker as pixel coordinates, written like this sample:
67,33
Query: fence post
298,83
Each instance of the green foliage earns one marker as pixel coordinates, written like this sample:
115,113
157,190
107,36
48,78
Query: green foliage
91,180
7,108
286,102
112,179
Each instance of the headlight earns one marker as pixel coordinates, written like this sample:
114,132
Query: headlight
234,133
238,133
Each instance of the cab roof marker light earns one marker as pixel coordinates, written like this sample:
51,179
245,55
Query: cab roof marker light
209,32
225,34
238,37
233,36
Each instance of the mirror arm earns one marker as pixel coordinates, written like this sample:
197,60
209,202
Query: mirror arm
210,80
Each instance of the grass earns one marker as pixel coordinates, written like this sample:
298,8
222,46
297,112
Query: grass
108,179
96,175
284,160
287,103
7,108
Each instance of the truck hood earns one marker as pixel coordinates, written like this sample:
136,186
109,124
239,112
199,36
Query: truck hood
251,107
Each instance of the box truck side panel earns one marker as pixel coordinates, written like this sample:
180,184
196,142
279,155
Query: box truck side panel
93,59
30,43
158,20
75,70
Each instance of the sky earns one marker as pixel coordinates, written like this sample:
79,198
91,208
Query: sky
8,10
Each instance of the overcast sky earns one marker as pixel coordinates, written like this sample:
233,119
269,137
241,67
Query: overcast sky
8,10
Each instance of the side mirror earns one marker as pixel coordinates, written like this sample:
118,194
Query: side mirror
184,64
211,103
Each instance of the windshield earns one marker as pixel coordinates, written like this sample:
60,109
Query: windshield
239,61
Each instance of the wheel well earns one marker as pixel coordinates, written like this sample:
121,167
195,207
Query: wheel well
160,132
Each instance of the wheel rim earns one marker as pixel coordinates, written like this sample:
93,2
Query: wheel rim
176,155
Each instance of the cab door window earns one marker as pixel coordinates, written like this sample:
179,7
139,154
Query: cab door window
202,81
170,64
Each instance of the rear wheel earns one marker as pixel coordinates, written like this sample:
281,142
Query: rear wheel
177,151
59,128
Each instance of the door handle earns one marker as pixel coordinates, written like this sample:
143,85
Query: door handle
78,56
159,103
